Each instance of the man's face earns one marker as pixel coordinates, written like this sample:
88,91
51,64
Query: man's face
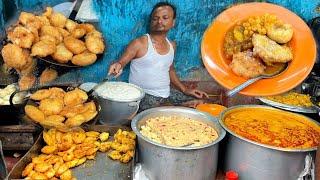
162,19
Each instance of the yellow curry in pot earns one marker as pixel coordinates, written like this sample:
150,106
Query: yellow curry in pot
274,127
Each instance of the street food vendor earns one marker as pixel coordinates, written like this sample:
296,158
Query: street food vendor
151,57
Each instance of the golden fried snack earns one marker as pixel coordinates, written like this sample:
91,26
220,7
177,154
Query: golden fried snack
78,33
48,12
48,149
71,111
55,118
104,136
269,51
27,169
84,59
76,46
94,43
62,55
87,27
43,48
50,136
13,56
89,115
34,113
63,32
26,81
29,67
52,31
115,155
41,94
71,25
90,105
281,33
21,36
26,17
244,64
58,20
67,175
75,121
35,33
51,106
44,20
57,93
49,38
75,97
47,76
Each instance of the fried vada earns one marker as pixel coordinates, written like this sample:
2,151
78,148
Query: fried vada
84,59
74,45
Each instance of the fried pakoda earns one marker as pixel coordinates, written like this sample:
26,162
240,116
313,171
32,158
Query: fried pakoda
52,31
88,27
62,55
49,38
48,12
13,56
63,32
26,17
244,64
26,81
281,33
51,106
78,33
34,113
76,46
89,115
58,20
57,93
28,68
75,97
41,94
55,118
43,48
75,121
71,111
21,36
94,43
47,76
71,25
44,20
269,51
84,59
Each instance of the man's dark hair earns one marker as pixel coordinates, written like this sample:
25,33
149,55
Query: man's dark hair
161,4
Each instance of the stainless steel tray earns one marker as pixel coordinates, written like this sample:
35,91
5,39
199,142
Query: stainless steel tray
102,167
287,107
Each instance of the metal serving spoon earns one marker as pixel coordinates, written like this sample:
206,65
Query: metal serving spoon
270,72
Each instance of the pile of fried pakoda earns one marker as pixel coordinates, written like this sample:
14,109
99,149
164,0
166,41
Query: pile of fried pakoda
258,42
65,150
50,34
61,109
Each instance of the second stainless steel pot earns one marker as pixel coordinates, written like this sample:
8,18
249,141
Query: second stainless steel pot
253,160
174,163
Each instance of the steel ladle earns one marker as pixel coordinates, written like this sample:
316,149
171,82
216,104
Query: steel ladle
270,72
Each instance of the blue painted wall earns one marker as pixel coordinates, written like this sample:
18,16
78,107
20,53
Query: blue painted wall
123,20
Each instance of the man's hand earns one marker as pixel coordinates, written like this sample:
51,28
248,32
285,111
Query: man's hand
115,69
196,93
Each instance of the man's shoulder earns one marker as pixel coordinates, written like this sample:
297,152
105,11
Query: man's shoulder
142,40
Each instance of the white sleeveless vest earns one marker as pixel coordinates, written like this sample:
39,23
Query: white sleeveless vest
151,71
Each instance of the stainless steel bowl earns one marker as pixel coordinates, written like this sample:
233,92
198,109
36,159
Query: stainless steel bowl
160,161
253,160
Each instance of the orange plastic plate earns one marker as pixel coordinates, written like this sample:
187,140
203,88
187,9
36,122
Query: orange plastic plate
302,43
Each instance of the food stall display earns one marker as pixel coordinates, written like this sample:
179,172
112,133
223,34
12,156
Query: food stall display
54,107
52,37
171,142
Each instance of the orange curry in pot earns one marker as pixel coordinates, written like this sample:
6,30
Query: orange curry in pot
274,127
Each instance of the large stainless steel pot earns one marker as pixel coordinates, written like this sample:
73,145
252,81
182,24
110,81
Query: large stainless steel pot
115,111
253,160
174,163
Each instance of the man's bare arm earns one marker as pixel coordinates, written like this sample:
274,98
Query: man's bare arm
129,54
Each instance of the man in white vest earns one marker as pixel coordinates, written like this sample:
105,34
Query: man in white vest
151,58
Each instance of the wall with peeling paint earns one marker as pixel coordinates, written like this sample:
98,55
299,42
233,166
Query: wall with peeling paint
123,20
